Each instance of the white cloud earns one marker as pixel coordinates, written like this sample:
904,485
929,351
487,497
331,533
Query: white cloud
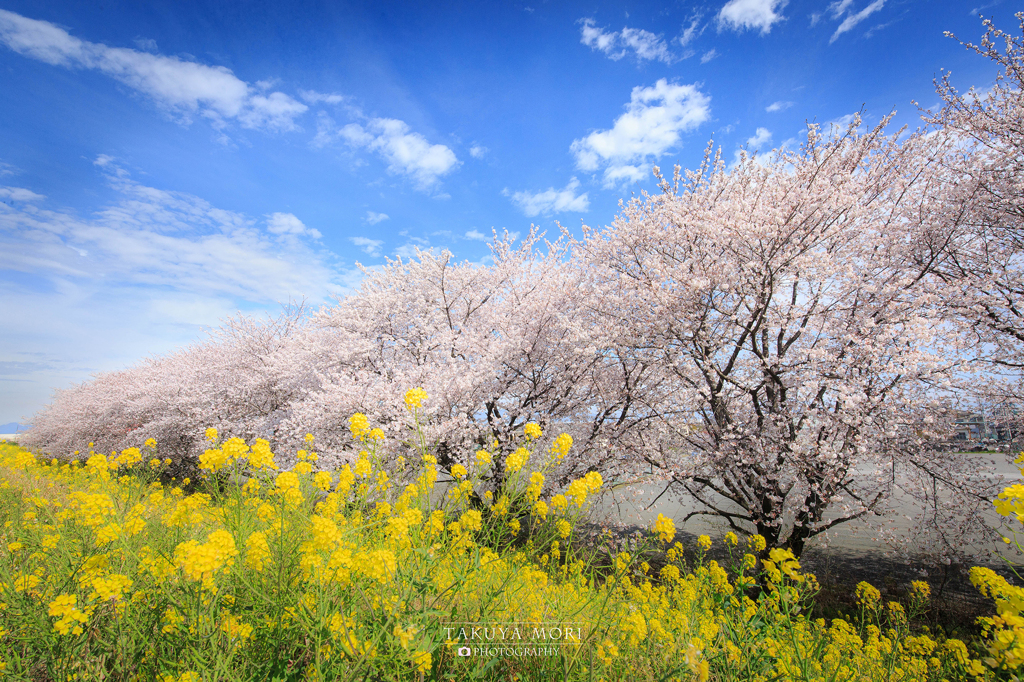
754,14
627,174
314,97
368,246
476,235
374,218
617,44
761,137
267,83
406,152
477,152
410,251
276,111
552,200
20,194
653,123
286,223
182,87
853,19
757,143
597,39
778,106
708,56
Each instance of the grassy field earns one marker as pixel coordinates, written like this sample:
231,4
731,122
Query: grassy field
112,571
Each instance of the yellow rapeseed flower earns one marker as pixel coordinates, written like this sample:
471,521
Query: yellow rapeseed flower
665,528
414,398
560,448
422,661
322,480
866,594
515,461
359,425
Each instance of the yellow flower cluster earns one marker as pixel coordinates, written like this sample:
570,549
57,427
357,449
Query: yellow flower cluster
1006,628
414,398
131,568
69,619
515,461
202,561
664,528
560,448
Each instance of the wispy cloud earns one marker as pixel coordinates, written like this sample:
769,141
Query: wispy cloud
140,276
368,246
690,32
654,121
476,235
852,20
184,88
617,44
19,194
841,124
740,15
838,8
314,97
286,223
374,218
173,241
778,106
708,56
551,200
478,152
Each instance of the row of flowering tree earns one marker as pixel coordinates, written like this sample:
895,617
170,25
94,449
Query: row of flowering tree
780,340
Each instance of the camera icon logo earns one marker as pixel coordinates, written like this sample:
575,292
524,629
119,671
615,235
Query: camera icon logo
465,651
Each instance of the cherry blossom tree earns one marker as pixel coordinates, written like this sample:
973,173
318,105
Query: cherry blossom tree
495,347
803,339
229,381
976,234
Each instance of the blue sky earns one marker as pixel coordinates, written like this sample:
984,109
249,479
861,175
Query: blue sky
164,164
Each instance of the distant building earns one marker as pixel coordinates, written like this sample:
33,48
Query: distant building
1003,423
